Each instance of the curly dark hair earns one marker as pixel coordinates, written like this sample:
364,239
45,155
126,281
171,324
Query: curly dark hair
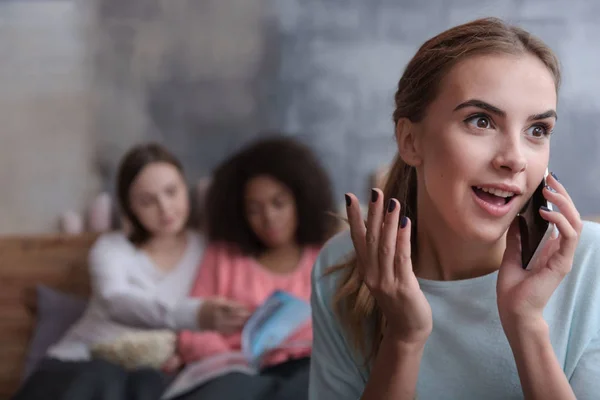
133,162
285,160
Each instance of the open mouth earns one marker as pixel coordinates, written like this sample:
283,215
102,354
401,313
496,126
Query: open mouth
495,197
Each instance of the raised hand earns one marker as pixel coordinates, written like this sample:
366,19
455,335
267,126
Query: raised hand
383,252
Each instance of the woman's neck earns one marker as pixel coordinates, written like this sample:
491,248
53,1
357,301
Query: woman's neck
165,243
443,255
166,251
281,259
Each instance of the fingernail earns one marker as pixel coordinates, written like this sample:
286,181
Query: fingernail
554,175
403,222
550,189
544,208
391,205
374,195
348,200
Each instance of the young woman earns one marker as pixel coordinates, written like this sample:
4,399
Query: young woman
267,220
140,280
428,298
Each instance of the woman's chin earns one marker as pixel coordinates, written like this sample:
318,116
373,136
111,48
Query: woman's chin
485,233
273,242
478,227
169,230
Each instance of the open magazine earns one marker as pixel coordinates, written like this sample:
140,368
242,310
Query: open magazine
267,329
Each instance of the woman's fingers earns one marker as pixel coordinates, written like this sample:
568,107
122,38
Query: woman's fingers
387,241
567,220
358,230
232,326
568,239
557,195
402,260
375,220
234,308
382,248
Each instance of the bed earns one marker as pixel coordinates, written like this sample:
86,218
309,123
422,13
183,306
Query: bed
57,261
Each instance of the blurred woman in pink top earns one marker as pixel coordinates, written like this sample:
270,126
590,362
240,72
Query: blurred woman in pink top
267,220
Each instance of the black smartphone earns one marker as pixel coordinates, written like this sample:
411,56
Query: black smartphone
534,229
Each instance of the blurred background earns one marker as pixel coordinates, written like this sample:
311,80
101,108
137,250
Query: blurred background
82,81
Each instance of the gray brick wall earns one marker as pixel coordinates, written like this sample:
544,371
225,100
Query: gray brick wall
326,71
206,76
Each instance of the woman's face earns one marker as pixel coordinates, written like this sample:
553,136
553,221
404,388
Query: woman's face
483,146
270,209
159,199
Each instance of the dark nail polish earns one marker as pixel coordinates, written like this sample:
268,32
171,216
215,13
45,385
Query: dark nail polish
544,208
374,195
403,222
391,205
554,175
550,189
348,200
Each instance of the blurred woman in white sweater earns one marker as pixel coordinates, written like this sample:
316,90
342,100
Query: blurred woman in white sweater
140,280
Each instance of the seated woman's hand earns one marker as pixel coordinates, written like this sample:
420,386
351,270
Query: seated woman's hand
172,365
222,315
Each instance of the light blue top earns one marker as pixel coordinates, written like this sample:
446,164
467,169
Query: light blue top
467,355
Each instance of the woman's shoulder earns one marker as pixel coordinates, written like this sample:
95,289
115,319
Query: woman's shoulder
113,241
590,234
587,254
581,286
576,303
585,271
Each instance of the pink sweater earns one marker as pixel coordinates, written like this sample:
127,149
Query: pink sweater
232,275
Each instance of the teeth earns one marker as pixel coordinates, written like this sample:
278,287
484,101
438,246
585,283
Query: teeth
496,192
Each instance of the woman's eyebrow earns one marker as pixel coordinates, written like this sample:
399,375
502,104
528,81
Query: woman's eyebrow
481,104
495,110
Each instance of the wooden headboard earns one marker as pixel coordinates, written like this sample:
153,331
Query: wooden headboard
58,261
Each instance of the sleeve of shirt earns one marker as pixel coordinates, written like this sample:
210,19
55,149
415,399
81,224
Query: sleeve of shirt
128,304
333,371
585,379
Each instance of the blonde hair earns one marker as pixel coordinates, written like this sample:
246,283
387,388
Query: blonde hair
353,303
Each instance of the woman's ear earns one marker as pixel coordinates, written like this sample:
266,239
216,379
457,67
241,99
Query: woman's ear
408,140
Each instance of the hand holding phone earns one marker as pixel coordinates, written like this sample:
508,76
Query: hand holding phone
535,261
533,228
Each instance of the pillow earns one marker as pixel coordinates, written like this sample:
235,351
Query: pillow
139,349
56,312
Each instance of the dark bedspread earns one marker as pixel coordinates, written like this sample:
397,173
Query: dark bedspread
91,380
102,380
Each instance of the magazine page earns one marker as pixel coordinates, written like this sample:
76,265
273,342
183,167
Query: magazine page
200,372
271,324
267,329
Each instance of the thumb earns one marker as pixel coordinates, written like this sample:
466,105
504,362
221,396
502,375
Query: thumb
234,307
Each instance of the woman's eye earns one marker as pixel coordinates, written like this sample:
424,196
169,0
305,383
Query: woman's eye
146,202
480,122
538,131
